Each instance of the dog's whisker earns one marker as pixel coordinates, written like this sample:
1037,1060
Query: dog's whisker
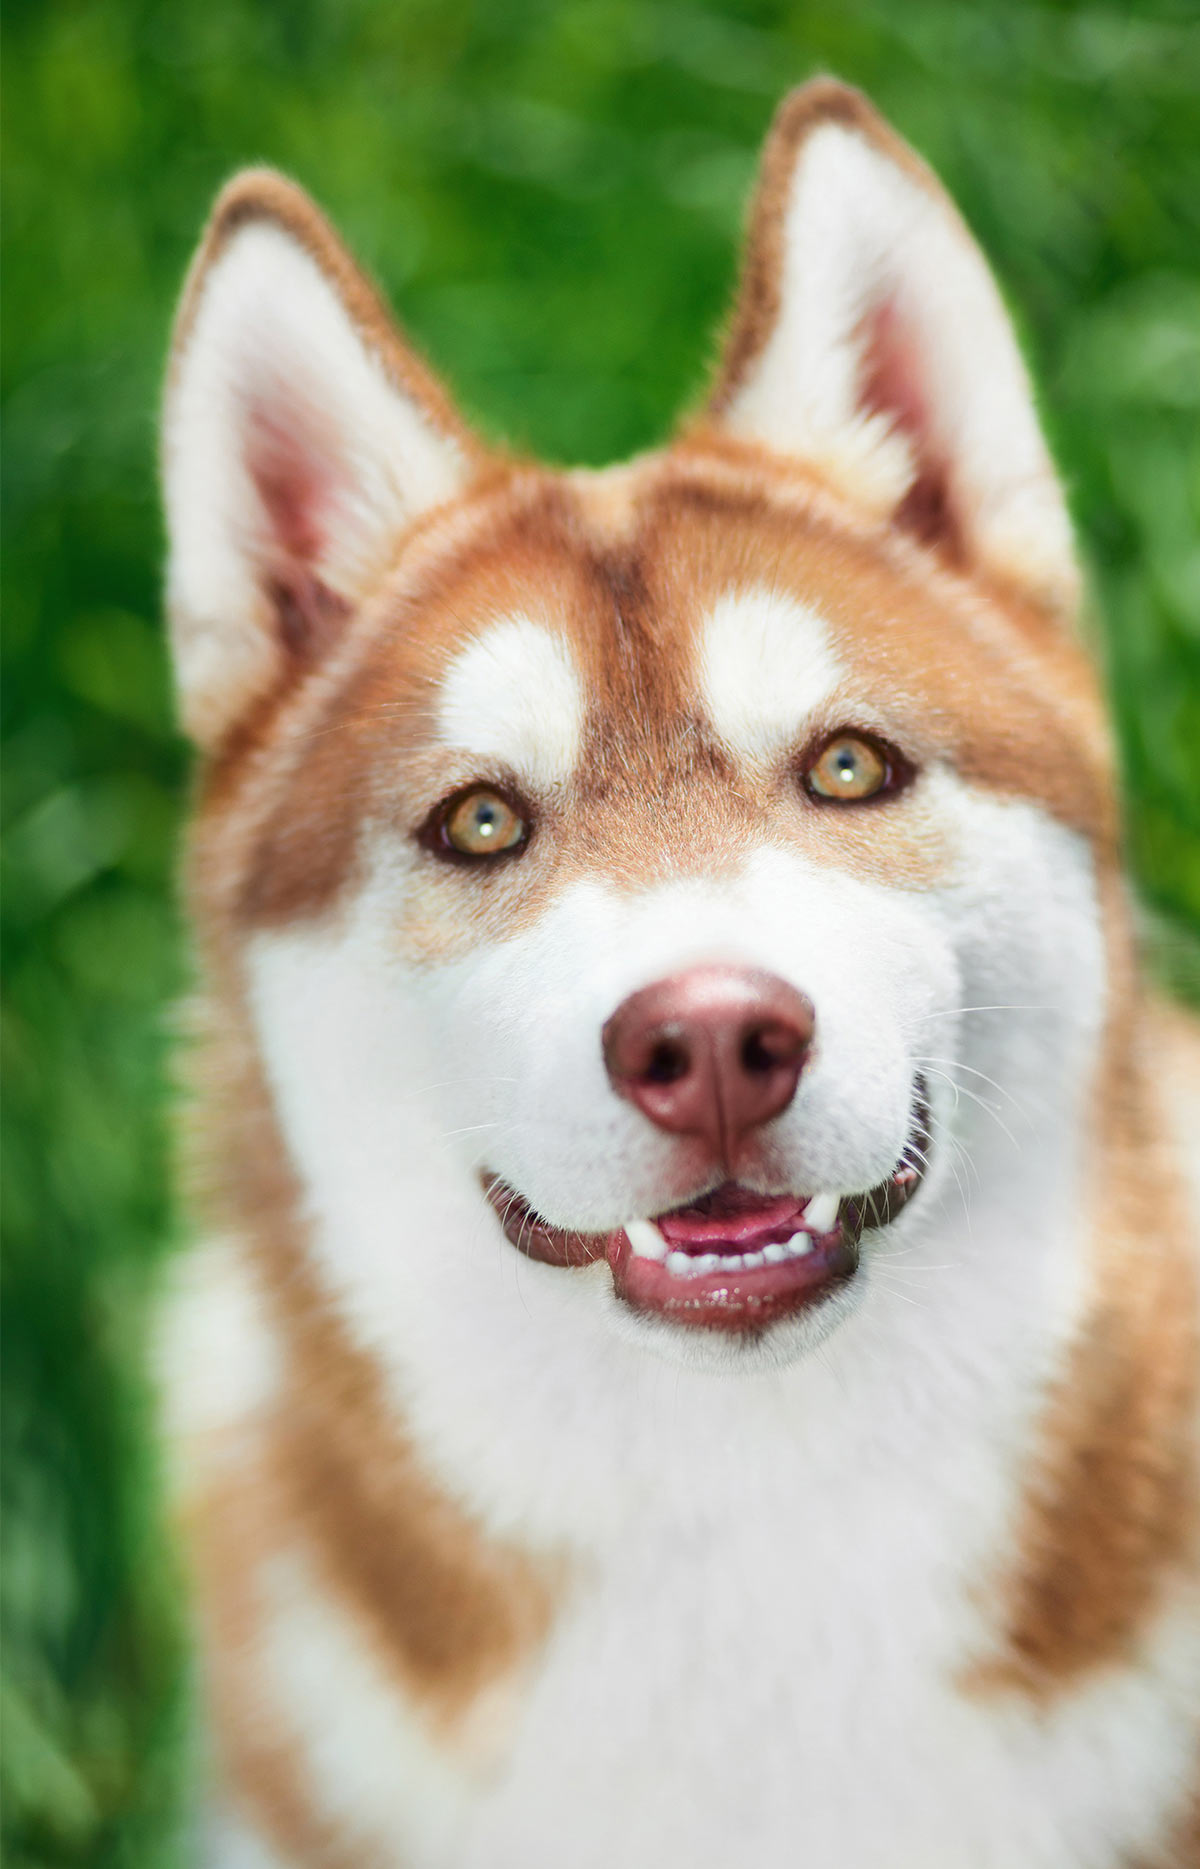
364,718
904,1297
952,1012
956,1064
964,1090
956,1156
892,1261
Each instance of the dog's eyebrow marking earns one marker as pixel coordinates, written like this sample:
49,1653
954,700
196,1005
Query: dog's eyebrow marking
514,696
764,664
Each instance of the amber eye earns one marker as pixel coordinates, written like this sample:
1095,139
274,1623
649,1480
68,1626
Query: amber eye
480,823
850,768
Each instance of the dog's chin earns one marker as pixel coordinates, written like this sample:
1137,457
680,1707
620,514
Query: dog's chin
736,1277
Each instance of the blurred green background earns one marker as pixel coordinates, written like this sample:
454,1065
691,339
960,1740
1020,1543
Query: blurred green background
552,196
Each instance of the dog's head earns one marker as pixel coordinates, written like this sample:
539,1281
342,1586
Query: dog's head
650,869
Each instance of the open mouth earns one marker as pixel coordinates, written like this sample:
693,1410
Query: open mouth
735,1259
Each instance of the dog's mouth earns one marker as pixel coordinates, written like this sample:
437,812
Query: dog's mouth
735,1259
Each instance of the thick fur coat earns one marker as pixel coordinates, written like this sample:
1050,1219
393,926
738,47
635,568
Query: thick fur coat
599,1445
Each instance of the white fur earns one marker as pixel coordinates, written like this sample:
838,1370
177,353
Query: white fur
271,344
765,665
780,1555
228,1841
393,1082
373,1770
514,699
860,233
758,1656
212,1400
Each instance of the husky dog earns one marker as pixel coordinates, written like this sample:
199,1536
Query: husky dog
693,1358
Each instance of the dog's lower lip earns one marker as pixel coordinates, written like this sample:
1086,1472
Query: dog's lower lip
733,1260
742,1292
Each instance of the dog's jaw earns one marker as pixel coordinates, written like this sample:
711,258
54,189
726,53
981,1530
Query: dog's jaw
734,1260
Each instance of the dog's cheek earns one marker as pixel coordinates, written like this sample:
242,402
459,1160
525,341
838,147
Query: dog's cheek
521,1044
448,919
878,968
1024,917
516,1024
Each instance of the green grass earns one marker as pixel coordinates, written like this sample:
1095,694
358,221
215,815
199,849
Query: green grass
552,196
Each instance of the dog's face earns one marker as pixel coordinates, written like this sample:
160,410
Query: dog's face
642,868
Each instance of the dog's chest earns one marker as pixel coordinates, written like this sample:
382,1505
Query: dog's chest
765,1678
723,1692
785,1685
774,1595
759,1652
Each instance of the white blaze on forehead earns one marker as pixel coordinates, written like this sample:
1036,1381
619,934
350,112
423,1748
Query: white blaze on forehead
515,697
764,665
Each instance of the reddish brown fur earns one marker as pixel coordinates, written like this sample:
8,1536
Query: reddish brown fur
232,1533
920,647
953,668
1109,1519
450,1611
916,636
332,1475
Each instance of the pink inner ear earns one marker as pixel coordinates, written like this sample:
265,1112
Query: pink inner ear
294,470
893,384
293,482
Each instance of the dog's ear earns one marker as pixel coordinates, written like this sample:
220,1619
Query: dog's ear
869,338
301,436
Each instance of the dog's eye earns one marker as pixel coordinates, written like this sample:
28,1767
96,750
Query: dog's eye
481,823
850,768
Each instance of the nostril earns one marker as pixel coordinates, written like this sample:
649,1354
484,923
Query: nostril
757,1056
766,1047
669,1061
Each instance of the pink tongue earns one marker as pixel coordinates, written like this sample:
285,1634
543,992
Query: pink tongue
749,1221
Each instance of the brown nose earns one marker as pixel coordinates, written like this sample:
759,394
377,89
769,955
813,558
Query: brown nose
712,1052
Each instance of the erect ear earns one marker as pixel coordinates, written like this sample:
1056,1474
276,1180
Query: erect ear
301,436
869,338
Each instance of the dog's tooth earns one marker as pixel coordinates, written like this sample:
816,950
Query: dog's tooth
774,1253
820,1216
680,1263
706,1262
751,1260
646,1240
798,1245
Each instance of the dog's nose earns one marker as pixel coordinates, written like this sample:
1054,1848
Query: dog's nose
713,1052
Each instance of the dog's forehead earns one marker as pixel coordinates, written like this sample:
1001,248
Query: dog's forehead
625,629
630,625
515,696
751,666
